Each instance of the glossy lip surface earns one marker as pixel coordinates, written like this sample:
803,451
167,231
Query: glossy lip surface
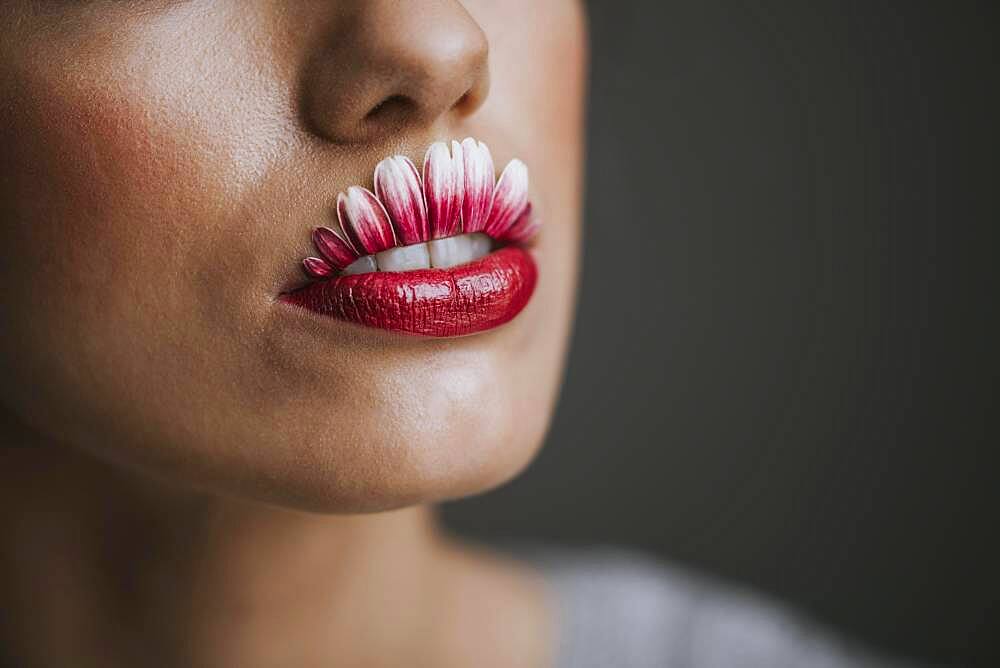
457,301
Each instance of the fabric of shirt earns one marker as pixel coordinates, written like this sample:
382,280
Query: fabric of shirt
621,609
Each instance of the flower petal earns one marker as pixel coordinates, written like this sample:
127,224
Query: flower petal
479,179
334,248
397,184
444,173
318,267
525,227
510,197
364,220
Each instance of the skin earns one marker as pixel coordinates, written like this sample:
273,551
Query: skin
195,474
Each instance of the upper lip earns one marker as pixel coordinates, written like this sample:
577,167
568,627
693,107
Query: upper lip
456,193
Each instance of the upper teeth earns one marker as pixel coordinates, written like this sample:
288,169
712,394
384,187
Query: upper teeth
448,252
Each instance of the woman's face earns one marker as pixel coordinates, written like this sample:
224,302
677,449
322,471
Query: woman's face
162,165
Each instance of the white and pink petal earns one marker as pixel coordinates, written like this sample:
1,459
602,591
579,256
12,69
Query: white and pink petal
525,227
318,267
336,250
364,221
397,184
477,197
510,197
444,182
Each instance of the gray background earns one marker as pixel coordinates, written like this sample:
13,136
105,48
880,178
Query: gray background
784,369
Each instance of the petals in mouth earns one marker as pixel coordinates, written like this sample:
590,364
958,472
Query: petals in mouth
452,212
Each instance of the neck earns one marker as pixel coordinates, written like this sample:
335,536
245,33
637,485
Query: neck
102,567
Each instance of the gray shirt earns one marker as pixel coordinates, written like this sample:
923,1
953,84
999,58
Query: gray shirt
619,609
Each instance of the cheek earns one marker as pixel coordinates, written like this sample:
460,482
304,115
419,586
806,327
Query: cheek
81,196
87,216
106,175
119,186
126,158
124,154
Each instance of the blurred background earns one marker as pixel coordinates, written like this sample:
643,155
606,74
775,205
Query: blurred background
799,390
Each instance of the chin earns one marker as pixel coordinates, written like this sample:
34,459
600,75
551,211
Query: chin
443,432
415,469
395,470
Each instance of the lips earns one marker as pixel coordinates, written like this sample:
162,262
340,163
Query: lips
411,257
462,300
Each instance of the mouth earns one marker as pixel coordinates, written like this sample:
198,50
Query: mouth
440,253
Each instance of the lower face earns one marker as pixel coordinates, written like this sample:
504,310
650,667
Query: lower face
157,202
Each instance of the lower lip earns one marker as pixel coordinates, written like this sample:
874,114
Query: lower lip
471,298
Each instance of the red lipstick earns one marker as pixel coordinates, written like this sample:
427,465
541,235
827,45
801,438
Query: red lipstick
457,301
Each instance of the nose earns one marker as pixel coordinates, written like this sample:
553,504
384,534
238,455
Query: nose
389,66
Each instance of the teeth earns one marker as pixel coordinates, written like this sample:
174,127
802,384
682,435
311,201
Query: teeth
454,251
363,265
404,258
439,253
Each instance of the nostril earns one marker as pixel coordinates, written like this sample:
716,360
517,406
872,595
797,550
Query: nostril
462,102
393,108
473,96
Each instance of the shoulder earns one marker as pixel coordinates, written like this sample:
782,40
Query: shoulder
622,608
